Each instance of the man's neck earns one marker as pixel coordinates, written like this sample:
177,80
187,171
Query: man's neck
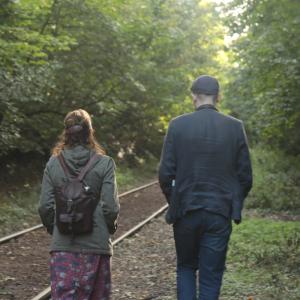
198,104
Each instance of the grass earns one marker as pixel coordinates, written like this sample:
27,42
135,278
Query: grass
129,178
263,261
18,207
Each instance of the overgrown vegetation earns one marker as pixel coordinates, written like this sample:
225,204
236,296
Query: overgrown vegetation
276,181
263,85
126,62
130,64
263,261
262,75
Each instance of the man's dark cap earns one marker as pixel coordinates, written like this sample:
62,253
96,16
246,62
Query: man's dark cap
206,85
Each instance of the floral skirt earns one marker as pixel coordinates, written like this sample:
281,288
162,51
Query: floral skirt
80,276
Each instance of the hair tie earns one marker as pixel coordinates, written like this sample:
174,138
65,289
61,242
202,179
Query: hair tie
74,129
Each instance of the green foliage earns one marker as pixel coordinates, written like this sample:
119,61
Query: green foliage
263,260
23,124
276,181
23,36
18,210
126,62
275,243
143,173
264,88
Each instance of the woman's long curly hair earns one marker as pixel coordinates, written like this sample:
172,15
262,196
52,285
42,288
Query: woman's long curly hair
78,131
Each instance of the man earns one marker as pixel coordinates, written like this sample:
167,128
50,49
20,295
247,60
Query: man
205,173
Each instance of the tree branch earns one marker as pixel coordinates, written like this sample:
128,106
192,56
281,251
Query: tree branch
55,2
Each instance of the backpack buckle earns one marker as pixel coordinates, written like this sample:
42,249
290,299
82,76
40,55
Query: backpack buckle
69,205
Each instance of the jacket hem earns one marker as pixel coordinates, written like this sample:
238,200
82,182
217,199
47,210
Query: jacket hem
85,251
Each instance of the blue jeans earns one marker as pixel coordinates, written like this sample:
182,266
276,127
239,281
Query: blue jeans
201,239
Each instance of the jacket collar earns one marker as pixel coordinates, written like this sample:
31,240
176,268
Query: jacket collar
207,106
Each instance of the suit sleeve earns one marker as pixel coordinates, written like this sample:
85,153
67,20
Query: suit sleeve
47,201
244,169
167,167
109,197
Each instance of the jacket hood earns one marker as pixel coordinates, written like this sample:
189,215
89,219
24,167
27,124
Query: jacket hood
76,158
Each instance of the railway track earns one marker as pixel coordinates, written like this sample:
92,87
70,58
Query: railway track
17,234
24,255
46,294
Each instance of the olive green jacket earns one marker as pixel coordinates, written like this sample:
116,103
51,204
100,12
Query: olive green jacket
102,181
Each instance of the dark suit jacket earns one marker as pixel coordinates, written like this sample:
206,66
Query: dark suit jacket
207,155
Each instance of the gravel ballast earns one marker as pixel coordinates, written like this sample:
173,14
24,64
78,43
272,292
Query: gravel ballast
143,266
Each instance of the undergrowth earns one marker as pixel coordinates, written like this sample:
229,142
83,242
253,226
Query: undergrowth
276,184
263,261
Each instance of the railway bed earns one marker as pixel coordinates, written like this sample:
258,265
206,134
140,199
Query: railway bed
144,265
24,260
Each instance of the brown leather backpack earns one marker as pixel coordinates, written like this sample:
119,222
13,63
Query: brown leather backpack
75,202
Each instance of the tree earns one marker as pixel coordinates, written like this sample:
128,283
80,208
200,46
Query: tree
127,63
264,89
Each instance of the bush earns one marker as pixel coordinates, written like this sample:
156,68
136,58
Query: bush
263,260
276,180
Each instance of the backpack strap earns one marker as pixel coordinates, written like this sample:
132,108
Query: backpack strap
88,166
63,165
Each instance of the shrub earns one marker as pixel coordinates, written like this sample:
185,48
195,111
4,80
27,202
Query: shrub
276,180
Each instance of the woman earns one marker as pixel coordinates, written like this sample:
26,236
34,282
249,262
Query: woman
80,263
